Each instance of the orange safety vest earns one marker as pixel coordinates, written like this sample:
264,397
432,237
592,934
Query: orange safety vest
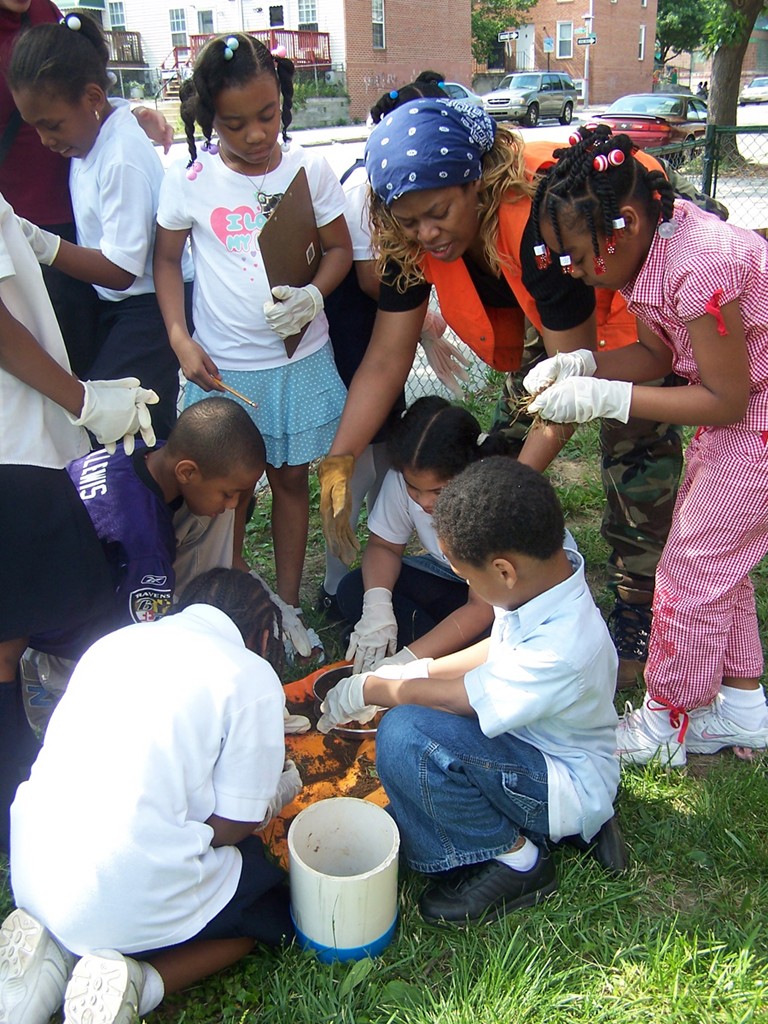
496,335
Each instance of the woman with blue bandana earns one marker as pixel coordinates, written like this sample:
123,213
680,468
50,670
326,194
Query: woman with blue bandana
450,200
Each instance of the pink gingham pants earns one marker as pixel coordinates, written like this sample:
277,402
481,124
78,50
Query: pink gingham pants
704,617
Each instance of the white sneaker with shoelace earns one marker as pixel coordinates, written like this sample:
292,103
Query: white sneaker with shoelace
710,729
636,743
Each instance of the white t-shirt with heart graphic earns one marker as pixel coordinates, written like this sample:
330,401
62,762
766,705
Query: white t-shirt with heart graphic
224,212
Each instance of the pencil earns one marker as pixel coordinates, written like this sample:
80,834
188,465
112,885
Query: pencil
237,394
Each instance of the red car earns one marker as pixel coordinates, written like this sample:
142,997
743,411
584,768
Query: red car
657,118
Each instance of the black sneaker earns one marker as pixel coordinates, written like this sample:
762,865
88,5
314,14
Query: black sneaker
328,606
607,847
487,891
630,628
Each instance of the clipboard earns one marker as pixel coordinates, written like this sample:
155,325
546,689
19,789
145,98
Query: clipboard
290,244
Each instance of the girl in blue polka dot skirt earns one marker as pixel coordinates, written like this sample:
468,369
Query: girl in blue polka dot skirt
220,201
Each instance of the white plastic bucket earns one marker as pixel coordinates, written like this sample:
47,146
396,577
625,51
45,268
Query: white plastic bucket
343,870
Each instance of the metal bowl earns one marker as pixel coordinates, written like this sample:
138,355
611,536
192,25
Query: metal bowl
352,730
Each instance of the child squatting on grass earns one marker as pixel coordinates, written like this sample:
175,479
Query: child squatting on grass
698,289
509,743
163,756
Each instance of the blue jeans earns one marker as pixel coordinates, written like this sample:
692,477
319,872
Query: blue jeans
458,797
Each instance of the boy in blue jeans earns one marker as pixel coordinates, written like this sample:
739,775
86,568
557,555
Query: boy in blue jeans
510,743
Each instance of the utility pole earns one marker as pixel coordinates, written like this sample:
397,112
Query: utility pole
588,18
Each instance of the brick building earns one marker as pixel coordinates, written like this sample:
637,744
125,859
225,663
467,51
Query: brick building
620,60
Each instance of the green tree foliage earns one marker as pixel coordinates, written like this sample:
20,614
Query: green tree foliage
489,17
729,27
681,26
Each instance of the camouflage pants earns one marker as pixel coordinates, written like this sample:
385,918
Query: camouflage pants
641,462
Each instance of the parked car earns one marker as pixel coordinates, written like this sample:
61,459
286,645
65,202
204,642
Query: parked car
657,118
457,91
529,96
755,92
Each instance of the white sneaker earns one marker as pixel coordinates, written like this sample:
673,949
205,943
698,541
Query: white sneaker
710,729
636,744
105,988
34,970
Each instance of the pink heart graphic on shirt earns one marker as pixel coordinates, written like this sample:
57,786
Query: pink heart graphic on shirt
237,229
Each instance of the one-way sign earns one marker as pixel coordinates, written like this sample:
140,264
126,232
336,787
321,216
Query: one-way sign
586,40
510,33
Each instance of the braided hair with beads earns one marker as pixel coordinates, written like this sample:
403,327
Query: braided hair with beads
592,179
230,62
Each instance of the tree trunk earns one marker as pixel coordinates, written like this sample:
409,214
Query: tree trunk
725,85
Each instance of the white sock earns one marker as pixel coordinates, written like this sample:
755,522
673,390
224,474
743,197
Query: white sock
742,707
656,722
523,859
153,989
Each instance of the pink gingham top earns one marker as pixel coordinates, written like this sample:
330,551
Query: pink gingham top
706,264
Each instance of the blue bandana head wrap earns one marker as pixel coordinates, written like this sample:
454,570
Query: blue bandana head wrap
427,143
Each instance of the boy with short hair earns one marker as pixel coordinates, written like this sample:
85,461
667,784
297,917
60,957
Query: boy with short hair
511,742
214,455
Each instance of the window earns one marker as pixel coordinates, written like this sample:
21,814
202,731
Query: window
641,44
643,3
178,26
205,23
117,16
377,20
276,17
564,40
307,16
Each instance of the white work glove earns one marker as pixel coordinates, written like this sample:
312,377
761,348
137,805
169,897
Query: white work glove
45,245
115,409
294,631
344,702
295,308
579,399
293,724
375,635
403,656
289,785
560,367
450,365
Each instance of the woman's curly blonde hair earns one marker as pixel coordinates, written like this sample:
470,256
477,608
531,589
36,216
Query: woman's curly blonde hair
503,180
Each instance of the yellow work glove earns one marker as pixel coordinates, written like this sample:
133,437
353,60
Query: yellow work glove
335,475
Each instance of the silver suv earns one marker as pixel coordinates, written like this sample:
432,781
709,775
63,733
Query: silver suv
528,96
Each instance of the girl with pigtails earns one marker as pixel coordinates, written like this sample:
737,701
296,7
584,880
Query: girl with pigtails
220,201
698,289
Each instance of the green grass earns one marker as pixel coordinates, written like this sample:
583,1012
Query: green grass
681,939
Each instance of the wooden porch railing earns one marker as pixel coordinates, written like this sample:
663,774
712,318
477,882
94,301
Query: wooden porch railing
305,49
125,48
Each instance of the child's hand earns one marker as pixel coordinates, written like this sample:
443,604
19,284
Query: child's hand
579,399
375,635
345,703
197,366
115,410
295,308
560,367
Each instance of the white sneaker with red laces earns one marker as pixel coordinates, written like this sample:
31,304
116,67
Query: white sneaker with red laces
636,743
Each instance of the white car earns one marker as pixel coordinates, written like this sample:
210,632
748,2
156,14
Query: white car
755,92
457,91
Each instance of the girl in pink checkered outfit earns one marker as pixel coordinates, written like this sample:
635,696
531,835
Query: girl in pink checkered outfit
699,289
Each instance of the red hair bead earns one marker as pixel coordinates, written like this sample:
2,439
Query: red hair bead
600,163
616,158
574,138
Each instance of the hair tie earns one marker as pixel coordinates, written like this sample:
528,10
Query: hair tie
600,163
543,259
393,94
112,78
618,225
231,43
565,264
667,228
279,51
481,439
72,21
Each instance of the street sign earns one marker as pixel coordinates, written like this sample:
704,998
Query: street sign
586,40
549,44
510,33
